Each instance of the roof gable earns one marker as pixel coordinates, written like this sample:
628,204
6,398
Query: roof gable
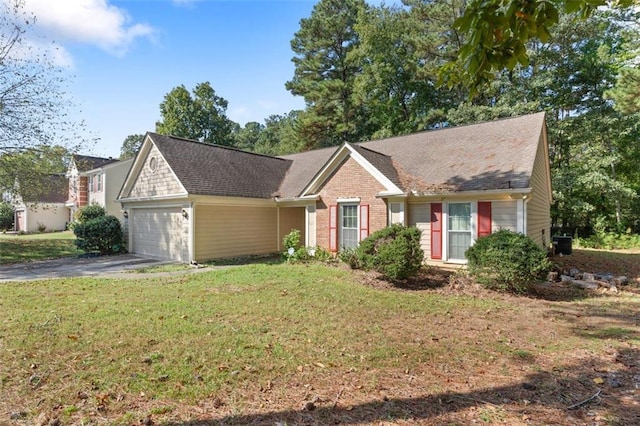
376,164
207,169
151,176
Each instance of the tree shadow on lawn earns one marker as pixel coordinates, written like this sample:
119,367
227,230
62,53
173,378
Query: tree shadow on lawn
573,394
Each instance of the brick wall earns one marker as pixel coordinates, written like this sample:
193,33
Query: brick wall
350,180
83,196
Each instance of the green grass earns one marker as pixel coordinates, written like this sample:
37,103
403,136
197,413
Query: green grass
207,331
30,247
184,338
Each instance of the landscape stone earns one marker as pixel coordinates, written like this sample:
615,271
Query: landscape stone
622,280
587,285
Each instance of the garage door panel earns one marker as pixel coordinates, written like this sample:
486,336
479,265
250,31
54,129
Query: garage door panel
158,233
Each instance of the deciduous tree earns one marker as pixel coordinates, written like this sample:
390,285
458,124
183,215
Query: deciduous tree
199,115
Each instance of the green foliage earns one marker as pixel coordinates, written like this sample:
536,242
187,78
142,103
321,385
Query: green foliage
200,115
6,216
130,146
325,72
610,241
296,253
102,234
393,251
91,211
496,33
626,93
507,261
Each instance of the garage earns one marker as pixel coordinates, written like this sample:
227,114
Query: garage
159,232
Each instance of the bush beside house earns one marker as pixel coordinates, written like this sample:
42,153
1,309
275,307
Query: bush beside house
96,231
507,261
394,252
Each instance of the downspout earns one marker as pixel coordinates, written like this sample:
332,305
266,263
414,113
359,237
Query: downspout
192,235
278,228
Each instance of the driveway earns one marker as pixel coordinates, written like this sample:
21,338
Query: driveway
75,267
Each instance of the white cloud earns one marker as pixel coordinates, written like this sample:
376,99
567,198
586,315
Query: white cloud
94,22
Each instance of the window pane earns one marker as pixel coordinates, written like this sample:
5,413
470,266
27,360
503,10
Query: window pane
460,217
349,231
459,242
459,229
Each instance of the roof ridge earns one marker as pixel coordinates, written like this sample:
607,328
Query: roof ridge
439,129
215,145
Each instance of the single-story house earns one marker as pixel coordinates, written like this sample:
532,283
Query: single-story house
189,201
47,212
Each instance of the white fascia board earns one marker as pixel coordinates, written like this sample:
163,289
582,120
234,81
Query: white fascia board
343,152
473,194
377,174
136,167
153,198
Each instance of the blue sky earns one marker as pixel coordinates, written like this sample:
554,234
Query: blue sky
125,55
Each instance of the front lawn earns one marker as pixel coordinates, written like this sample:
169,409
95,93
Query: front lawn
25,248
296,344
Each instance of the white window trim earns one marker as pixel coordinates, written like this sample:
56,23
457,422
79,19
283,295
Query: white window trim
403,215
340,205
445,224
310,231
353,200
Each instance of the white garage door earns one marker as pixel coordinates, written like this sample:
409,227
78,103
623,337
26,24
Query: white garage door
158,233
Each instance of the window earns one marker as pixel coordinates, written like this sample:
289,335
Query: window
99,182
91,183
153,164
348,225
459,230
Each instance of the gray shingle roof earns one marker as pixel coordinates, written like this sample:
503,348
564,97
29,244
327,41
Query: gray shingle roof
486,156
86,162
207,169
53,189
492,155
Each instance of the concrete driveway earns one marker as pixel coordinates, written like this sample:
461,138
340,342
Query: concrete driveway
75,267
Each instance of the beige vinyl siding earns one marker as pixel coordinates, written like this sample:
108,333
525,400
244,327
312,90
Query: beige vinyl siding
539,206
504,215
229,231
291,218
420,217
53,216
160,182
160,232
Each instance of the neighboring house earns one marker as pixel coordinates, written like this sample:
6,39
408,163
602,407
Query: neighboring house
104,184
190,201
78,192
46,213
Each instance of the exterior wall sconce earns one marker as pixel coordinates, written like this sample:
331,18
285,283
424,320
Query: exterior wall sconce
125,214
185,214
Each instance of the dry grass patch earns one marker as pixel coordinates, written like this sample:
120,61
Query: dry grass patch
296,344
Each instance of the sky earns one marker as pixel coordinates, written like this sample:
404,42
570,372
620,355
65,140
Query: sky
124,56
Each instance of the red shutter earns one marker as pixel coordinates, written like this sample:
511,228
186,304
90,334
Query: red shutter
484,218
364,221
436,230
333,228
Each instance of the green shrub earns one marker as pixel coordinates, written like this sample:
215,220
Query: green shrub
92,211
103,234
610,241
507,261
393,251
295,253
6,216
